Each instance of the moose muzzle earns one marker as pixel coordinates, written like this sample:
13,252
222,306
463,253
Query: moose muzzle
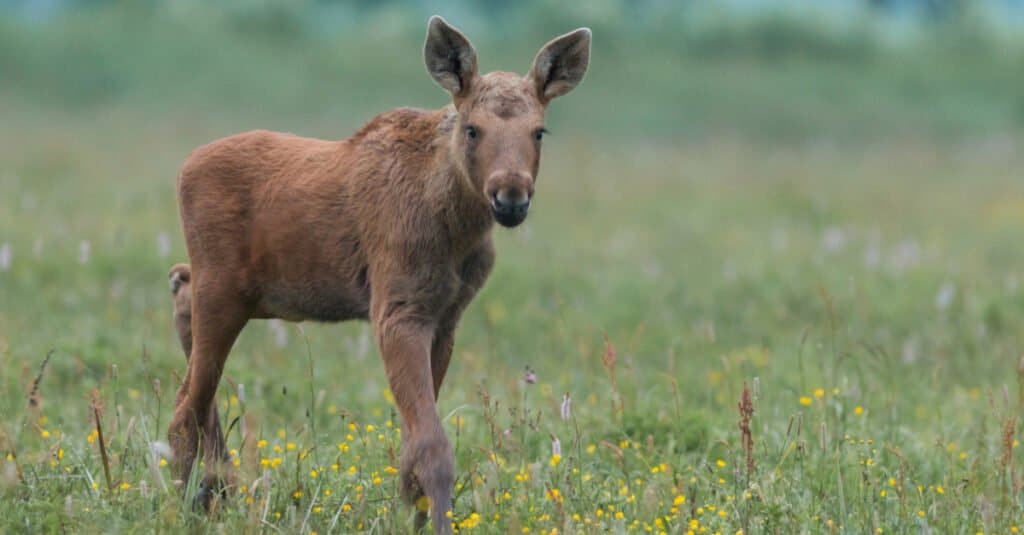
510,195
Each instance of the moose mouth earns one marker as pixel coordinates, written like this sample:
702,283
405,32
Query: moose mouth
509,216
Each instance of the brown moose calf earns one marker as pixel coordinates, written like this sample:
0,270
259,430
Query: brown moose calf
392,225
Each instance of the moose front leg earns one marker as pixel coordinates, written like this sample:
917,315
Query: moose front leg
441,352
473,274
427,461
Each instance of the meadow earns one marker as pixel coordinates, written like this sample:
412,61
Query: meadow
803,328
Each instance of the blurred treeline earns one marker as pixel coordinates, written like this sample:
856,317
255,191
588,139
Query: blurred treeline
856,70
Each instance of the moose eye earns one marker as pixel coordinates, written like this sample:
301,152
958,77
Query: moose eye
471,132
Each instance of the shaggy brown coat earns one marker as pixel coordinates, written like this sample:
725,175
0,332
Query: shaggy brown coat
392,225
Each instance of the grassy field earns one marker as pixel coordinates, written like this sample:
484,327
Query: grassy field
836,239
870,299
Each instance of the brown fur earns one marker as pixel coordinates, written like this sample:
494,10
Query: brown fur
180,278
392,225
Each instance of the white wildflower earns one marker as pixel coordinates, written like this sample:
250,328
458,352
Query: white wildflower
163,244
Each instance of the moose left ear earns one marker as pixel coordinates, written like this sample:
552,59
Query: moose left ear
561,64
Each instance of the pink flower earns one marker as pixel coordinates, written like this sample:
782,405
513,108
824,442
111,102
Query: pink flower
530,377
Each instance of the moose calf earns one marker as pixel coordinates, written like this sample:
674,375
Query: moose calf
392,225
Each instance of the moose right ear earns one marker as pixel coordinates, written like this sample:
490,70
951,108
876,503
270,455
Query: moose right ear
449,57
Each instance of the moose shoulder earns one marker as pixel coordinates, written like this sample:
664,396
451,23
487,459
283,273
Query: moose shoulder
392,225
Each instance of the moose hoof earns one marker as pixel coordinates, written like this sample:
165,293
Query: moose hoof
210,490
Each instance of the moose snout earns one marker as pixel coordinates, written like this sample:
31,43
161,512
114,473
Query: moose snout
510,195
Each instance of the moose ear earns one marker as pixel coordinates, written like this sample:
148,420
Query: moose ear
561,64
449,57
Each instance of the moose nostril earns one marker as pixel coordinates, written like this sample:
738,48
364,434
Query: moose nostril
513,199
510,206
497,203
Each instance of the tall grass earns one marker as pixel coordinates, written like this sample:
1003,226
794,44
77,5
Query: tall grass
872,295
772,281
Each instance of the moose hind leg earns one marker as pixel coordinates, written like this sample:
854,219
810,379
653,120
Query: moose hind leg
217,322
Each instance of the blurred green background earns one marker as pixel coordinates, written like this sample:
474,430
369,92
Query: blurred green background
826,195
663,70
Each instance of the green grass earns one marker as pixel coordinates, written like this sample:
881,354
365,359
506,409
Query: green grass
834,225
871,296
